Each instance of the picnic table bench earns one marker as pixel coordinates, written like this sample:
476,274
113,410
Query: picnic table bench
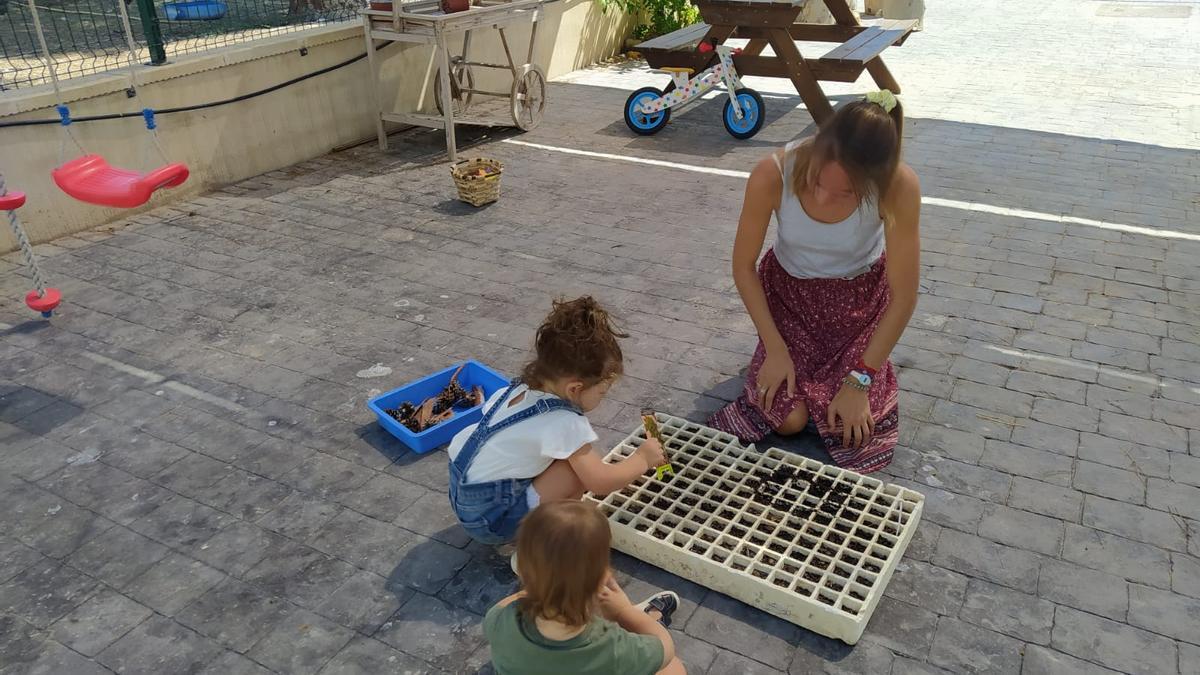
773,23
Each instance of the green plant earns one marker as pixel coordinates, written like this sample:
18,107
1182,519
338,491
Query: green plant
657,17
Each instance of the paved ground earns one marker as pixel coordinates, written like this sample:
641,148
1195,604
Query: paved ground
192,482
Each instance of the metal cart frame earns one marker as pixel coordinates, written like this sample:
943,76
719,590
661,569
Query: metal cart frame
423,22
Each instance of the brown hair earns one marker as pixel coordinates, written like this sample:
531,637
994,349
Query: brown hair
577,339
562,559
865,140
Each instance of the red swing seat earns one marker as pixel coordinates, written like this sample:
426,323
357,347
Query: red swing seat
12,201
93,180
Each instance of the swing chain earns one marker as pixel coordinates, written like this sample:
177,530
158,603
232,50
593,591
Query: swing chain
132,91
65,123
23,242
51,64
133,51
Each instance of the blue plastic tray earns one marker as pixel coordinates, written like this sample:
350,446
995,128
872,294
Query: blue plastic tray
195,10
473,374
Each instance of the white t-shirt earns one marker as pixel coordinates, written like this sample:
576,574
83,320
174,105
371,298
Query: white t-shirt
527,448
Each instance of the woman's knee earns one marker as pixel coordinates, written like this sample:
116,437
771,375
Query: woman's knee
795,422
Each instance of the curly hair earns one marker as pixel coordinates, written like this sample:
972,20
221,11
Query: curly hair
578,340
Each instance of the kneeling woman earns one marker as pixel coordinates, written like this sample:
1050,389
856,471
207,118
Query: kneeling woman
828,303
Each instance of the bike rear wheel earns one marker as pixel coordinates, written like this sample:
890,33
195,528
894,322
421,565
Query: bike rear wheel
641,123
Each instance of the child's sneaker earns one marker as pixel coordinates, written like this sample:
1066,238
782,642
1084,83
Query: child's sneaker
509,551
664,603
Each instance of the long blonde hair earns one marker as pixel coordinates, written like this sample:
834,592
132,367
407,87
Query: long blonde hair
562,559
865,140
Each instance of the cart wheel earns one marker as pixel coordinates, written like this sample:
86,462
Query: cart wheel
528,97
463,81
753,111
641,123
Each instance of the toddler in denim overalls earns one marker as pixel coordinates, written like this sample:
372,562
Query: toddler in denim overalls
490,511
534,443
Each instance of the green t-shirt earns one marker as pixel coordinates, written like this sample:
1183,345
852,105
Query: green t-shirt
603,648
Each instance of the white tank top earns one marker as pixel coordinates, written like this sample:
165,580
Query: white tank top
810,249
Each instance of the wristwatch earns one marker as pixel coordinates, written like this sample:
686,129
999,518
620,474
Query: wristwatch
861,376
859,380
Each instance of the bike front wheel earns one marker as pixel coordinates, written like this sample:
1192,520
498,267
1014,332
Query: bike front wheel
641,123
753,114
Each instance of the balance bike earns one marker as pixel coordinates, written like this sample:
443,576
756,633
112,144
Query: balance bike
648,109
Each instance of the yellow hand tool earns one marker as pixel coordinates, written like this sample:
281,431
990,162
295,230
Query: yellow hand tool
651,424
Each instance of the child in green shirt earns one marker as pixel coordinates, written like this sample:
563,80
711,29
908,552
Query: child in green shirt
570,615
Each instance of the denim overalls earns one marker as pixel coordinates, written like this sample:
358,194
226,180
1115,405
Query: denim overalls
490,511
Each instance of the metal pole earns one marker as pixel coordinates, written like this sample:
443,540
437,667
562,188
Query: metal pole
443,55
152,31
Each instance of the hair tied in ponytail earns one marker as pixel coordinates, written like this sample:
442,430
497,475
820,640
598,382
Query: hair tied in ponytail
883,98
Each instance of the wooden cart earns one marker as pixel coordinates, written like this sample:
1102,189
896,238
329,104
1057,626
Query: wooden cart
423,22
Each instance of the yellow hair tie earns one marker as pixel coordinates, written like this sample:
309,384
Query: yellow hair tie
883,98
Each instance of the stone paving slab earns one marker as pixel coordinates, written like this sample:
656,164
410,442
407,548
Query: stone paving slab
193,482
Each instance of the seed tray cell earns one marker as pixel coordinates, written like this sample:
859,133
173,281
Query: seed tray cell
808,542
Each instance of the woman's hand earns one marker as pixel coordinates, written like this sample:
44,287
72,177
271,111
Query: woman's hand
612,599
854,408
776,371
763,192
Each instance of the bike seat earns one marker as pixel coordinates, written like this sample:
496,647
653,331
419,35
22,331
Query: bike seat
688,71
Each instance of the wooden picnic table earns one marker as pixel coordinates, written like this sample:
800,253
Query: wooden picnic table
773,23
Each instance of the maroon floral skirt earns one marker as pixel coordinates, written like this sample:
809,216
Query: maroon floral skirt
826,324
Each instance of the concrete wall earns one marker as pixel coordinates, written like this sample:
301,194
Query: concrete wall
230,143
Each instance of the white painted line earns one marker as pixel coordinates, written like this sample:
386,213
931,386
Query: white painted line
729,173
151,377
1088,365
205,396
1072,363
933,201
1066,220
148,376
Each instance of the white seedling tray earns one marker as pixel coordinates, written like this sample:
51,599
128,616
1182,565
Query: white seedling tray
801,555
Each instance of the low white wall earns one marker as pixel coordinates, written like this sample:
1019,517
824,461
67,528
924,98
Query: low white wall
233,142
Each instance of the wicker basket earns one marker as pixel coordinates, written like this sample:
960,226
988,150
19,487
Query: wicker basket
476,189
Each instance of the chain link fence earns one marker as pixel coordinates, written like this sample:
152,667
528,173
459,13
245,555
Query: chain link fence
86,36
